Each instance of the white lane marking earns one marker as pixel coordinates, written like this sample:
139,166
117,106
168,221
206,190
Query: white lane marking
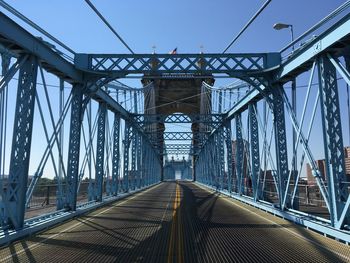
231,201
36,245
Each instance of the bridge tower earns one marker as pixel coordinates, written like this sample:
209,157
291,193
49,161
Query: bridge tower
177,93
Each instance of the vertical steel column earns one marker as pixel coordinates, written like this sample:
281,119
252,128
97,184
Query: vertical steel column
115,157
144,164
239,162
126,157
100,150
74,147
59,192
21,143
254,151
206,160
5,63
333,138
212,162
280,143
150,167
229,155
216,163
91,187
139,166
221,156
133,158
202,161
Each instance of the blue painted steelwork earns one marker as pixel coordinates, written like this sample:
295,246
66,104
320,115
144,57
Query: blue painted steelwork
139,159
221,156
21,41
254,151
100,151
115,155
229,155
133,176
239,162
212,146
333,138
74,148
120,65
21,142
126,142
280,143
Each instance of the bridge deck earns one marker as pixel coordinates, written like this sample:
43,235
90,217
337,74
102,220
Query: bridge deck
177,222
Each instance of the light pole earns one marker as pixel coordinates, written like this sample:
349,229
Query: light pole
279,26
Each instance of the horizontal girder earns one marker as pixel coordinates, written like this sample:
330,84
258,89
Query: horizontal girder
144,119
180,136
334,39
155,64
179,149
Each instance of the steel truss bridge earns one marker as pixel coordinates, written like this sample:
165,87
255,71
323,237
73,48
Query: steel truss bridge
91,128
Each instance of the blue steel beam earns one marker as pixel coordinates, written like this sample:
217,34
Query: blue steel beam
15,199
234,65
296,62
239,162
333,138
74,148
229,155
280,143
302,58
100,151
133,159
177,118
254,150
116,155
127,139
179,136
19,41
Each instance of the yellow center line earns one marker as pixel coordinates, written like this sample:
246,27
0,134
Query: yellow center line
176,224
180,257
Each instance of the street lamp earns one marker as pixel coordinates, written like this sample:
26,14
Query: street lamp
279,26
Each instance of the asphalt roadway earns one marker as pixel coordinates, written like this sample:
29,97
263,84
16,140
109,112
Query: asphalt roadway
177,222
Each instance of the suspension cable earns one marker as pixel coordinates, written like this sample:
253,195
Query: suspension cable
31,23
109,26
248,24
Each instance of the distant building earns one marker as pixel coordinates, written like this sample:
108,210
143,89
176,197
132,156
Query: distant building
269,182
347,162
321,164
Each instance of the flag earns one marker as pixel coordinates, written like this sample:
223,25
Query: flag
173,52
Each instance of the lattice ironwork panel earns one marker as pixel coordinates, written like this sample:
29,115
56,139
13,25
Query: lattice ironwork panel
177,63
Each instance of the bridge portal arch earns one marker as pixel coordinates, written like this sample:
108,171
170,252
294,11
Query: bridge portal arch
173,94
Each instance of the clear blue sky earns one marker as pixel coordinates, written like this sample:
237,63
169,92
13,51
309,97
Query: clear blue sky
185,24
168,24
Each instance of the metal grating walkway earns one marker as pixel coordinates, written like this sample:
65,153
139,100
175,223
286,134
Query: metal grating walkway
177,222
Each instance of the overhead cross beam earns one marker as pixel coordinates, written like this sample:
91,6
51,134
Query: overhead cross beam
234,65
177,118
